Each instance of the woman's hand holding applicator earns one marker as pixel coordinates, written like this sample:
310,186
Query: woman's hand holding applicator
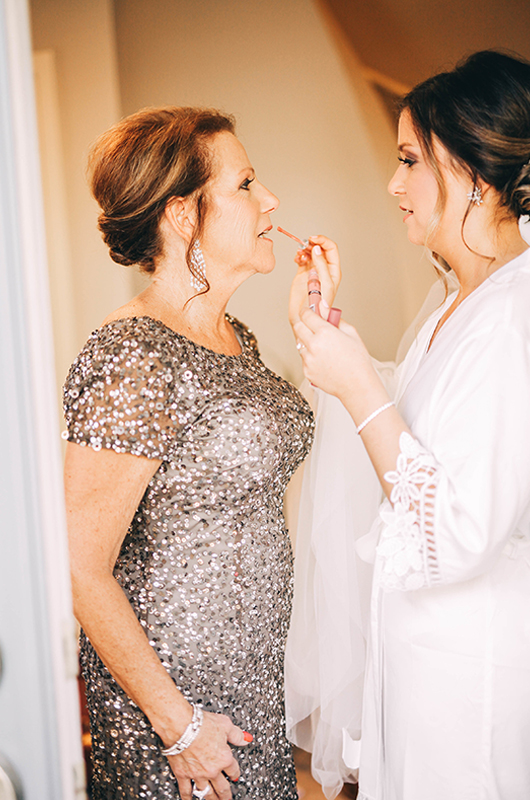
318,271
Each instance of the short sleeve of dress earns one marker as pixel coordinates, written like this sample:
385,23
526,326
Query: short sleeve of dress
119,393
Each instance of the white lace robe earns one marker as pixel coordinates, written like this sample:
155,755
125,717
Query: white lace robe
447,688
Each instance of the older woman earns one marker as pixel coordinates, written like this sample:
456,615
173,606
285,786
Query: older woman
180,445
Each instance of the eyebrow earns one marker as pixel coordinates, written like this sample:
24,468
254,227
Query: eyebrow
405,145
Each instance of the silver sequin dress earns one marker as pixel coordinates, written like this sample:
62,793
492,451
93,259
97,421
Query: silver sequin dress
206,563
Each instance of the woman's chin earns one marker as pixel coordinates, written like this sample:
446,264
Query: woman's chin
414,237
266,266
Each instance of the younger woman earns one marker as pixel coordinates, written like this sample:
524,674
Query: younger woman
446,699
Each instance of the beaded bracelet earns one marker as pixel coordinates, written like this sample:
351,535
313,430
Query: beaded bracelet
189,735
374,414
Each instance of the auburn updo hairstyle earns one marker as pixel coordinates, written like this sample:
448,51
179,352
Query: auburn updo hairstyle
480,112
141,162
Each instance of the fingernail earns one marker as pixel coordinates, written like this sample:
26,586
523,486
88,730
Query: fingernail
317,250
323,303
248,736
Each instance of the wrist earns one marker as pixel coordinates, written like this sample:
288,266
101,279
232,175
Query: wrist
188,737
361,401
171,725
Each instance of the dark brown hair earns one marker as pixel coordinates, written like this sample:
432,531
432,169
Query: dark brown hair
139,164
480,112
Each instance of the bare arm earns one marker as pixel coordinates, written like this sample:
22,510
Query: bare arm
103,491
338,362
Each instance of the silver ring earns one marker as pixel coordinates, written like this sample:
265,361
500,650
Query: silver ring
200,793
300,346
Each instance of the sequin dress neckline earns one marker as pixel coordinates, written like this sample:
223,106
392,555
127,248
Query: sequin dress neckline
229,317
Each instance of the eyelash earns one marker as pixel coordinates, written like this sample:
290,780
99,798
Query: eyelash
246,184
409,162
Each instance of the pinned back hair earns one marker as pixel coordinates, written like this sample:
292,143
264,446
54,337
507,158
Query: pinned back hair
139,164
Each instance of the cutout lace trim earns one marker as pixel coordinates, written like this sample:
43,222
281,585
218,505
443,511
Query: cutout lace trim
407,546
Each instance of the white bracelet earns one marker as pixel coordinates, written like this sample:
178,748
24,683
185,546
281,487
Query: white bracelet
189,735
374,414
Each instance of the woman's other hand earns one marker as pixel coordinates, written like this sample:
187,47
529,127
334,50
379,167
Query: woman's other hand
208,757
337,361
322,254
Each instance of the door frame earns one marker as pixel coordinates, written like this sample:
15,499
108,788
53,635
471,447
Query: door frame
39,708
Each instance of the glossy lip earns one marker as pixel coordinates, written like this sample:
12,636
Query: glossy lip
266,238
408,213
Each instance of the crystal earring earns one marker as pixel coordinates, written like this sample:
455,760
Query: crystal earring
198,276
475,196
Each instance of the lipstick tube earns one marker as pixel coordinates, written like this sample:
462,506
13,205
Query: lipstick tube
334,316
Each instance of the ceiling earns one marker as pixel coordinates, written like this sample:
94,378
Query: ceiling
409,40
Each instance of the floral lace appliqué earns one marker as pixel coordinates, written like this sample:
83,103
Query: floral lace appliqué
407,545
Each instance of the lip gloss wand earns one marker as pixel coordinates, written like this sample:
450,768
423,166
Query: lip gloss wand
314,289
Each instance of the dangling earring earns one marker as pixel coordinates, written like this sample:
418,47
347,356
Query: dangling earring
475,196
198,276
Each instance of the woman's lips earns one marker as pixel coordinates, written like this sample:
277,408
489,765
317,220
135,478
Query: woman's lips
408,213
262,234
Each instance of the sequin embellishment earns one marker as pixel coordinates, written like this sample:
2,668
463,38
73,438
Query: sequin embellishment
207,562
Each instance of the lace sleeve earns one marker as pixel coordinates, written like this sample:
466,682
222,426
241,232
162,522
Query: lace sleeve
407,546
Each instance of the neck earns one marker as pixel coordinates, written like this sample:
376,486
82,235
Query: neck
179,301
201,317
484,255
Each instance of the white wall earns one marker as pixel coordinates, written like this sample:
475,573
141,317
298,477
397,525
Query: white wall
79,40
306,127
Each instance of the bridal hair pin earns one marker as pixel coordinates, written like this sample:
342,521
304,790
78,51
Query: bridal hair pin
303,242
475,196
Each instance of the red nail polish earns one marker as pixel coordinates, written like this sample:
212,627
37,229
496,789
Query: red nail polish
248,737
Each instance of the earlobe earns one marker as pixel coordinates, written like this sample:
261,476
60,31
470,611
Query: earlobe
479,192
180,214
475,195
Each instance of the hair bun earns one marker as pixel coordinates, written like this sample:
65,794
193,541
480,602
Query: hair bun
121,259
520,197
142,161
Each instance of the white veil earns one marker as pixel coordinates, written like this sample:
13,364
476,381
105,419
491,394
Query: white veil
339,499
326,644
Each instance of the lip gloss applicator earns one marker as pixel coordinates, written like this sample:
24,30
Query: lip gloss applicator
314,289
303,242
